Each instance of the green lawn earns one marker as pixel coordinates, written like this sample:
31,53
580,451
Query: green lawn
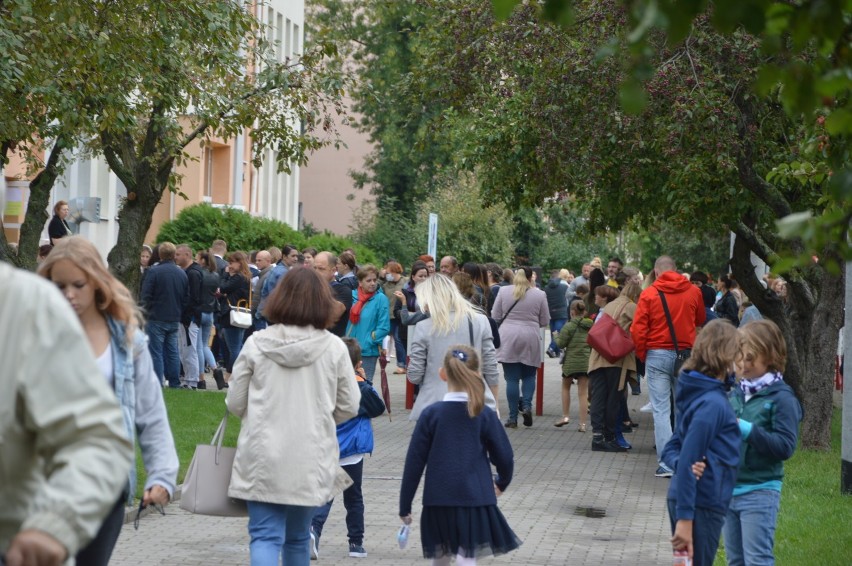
194,416
813,524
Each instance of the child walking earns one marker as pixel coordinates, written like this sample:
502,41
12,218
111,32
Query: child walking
455,441
706,432
355,440
572,338
769,416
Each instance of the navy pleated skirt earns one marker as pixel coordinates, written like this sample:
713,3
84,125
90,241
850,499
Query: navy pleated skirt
469,531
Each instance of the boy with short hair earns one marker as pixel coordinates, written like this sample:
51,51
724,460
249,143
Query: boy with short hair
355,439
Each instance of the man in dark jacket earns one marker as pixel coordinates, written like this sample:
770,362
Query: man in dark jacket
558,306
191,320
165,295
324,264
652,336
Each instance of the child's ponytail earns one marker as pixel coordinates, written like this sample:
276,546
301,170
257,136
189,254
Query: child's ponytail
462,367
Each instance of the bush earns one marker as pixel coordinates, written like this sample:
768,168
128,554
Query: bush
199,225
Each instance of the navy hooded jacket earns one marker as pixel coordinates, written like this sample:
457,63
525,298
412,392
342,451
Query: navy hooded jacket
706,428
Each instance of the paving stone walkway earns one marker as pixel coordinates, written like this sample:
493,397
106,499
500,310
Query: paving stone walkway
554,504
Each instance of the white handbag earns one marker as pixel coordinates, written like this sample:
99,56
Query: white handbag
240,316
205,488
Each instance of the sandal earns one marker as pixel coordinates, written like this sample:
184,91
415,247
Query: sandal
562,422
399,371
582,427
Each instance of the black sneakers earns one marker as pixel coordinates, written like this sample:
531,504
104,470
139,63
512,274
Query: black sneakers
357,551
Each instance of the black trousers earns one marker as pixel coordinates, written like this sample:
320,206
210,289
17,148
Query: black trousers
606,400
99,551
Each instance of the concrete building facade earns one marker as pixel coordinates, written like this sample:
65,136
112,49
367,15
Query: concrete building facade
220,171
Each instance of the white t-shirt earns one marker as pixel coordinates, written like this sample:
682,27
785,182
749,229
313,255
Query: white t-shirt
105,365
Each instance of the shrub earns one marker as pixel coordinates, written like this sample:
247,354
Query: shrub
199,225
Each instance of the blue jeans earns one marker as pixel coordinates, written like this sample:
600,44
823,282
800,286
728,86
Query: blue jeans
399,345
279,532
234,340
750,528
706,528
353,501
515,374
556,325
163,345
369,365
659,375
205,355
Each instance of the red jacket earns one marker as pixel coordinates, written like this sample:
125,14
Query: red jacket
651,331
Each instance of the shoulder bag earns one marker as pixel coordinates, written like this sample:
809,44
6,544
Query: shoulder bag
608,338
205,488
240,315
680,355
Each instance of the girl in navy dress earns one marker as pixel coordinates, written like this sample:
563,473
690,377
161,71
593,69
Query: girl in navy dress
456,441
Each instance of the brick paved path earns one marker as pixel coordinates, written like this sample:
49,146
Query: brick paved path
555,474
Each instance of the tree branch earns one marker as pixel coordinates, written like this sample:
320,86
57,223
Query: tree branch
116,163
745,162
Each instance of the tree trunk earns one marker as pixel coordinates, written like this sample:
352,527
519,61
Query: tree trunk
810,325
35,218
134,220
818,382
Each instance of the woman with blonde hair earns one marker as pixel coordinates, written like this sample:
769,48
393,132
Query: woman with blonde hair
111,321
520,311
452,320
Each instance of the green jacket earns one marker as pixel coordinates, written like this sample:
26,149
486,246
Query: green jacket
572,337
774,414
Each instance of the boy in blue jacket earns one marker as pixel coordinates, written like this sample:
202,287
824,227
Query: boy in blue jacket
355,439
706,432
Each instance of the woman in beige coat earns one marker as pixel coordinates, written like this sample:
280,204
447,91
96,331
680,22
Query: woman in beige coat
292,384
606,379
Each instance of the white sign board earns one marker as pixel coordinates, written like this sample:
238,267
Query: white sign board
433,235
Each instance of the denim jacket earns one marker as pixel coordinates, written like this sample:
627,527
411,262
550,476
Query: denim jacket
140,396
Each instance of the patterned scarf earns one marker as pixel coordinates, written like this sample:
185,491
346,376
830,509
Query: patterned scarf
751,388
355,313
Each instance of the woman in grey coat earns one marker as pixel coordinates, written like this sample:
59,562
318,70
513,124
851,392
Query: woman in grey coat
452,320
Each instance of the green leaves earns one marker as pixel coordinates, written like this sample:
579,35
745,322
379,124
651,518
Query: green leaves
503,8
632,96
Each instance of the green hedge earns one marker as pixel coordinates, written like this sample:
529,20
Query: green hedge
199,225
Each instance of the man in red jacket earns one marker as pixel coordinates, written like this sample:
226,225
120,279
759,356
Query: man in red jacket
655,344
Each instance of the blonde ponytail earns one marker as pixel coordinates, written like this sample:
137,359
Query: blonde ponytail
462,367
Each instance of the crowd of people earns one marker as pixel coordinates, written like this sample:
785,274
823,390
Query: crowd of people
295,336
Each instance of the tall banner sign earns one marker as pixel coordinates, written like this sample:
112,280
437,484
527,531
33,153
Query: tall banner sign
433,235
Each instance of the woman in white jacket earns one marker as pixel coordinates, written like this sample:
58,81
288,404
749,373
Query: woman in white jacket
292,384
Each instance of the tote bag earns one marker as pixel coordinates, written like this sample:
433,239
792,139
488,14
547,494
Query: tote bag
609,339
205,489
